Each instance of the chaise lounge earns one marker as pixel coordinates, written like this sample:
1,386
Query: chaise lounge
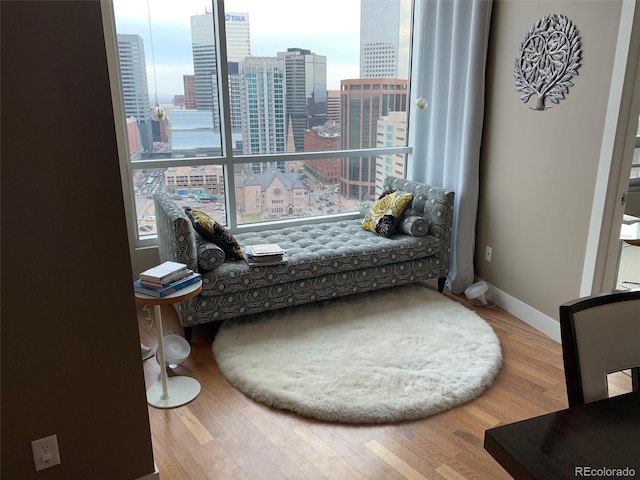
324,260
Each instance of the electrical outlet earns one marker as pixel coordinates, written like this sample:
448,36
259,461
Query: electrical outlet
45,452
487,253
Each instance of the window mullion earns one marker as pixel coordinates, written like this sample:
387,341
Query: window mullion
225,111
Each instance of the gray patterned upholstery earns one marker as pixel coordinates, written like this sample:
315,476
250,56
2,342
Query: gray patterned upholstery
210,255
323,260
176,237
413,225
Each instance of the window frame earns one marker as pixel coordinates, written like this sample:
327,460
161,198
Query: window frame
227,159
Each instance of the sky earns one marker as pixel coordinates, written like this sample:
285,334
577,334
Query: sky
329,28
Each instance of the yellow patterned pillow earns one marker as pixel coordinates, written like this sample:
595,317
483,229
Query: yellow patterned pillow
386,212
211,230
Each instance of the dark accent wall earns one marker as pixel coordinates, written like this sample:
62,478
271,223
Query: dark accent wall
70,354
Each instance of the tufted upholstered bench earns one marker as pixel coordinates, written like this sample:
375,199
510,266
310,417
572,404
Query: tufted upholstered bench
324,260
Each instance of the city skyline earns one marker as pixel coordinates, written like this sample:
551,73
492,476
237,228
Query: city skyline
279,103
332,31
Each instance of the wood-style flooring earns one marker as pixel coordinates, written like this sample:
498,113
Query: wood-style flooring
224,435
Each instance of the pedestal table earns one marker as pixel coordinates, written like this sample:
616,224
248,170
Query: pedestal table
174,391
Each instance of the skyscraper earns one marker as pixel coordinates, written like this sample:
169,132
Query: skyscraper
238,36
392,132
236,101
364,102
263,98
385,38
333,105
133,72
204,63
306,91
189,83
204,55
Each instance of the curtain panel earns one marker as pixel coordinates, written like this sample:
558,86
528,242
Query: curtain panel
449,73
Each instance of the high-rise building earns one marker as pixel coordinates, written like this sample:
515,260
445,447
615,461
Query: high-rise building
391,132
159,131
204,63
236,100
238,48
385,38
364,102
133,72
381,90
321,139
333,106
189,83
306,91
264,110
133,139
178,101
204,55
238,36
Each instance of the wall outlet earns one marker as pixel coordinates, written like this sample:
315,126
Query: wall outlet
487,254
45,452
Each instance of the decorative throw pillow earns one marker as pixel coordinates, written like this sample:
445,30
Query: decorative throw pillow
386,212
211,230
414,225
210,255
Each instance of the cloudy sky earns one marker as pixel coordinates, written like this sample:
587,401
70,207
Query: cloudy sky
329,28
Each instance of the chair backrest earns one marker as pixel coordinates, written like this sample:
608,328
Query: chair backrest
600,335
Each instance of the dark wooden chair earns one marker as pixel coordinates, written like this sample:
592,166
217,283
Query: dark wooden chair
600,335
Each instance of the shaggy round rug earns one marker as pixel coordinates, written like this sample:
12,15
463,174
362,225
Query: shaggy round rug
400,354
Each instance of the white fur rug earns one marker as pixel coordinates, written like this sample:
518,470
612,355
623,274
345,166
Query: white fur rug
400,354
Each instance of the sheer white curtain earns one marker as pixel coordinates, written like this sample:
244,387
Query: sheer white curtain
449,72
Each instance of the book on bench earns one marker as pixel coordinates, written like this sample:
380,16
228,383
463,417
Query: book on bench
264,249
264,254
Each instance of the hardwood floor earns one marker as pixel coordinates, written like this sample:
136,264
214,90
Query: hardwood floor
224,435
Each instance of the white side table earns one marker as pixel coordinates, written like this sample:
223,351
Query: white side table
175,391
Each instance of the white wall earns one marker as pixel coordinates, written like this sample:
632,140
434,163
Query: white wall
539,168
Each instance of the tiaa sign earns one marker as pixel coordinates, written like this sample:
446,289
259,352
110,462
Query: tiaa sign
235,17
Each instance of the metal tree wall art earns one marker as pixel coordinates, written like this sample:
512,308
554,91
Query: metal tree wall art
549,58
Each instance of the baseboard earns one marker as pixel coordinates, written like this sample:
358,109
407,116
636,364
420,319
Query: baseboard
529,315
151,476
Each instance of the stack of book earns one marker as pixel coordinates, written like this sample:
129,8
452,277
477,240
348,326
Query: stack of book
264,254
165,279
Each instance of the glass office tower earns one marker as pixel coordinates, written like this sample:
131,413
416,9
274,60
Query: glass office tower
306,91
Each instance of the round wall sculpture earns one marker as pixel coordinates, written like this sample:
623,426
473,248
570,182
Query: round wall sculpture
549,58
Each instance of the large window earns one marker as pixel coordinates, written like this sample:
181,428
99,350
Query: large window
257,112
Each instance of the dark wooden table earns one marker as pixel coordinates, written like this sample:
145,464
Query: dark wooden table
595,440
